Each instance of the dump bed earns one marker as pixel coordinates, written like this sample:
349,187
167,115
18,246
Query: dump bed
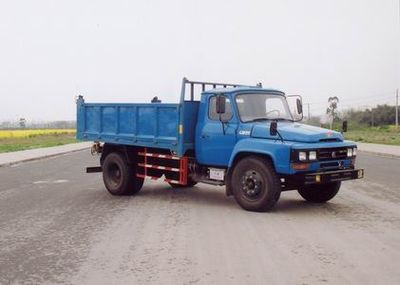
167,126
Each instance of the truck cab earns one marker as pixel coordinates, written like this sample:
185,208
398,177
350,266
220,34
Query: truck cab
248,138
218,131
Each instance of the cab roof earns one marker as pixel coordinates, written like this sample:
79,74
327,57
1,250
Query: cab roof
241,89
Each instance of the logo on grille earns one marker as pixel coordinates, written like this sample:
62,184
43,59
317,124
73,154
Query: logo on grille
333,154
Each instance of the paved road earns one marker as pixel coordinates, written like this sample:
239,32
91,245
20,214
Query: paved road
59,225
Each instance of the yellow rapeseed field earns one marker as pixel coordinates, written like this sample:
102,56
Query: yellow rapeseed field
5,134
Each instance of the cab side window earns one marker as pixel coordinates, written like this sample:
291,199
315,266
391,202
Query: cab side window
212,115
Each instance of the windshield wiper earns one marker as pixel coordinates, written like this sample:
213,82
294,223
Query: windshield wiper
258,119
283,119
269,119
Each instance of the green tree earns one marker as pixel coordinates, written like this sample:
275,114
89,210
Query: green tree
381,115
331,111
22,123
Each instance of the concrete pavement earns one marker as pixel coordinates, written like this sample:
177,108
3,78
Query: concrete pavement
60,226
380,149
10,158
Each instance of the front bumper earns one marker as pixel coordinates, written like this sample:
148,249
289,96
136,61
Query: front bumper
331,176
290,182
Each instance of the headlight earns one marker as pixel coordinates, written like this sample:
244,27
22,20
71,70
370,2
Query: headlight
312,155
302,156
354,151
349,152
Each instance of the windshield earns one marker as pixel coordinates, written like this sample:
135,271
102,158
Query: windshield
253,107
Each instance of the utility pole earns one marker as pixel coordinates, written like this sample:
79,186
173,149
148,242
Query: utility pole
397,108
372,115
308,108
397,91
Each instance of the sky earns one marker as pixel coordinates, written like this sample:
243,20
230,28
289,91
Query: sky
131,51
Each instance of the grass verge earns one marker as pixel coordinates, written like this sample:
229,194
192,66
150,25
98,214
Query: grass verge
380,135
36,141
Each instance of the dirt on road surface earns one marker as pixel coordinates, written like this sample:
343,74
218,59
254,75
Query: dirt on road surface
59,225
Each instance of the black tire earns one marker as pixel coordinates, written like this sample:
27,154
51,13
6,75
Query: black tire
120,177
255,184
320,193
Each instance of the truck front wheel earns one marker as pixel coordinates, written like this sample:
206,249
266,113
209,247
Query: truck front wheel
320,193
120,177
255,185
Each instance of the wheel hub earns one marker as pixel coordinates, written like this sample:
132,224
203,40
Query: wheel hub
115,173
251,184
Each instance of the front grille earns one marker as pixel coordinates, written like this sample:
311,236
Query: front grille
332,153
332,164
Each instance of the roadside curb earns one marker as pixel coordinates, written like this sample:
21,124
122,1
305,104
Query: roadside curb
391,151
44,156
383,154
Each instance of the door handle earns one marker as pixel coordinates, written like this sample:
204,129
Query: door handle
204,136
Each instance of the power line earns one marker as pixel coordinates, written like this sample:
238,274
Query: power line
377,96
353,102
361,107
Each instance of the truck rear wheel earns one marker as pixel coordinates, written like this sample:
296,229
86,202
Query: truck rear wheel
120,177
320,193
256,186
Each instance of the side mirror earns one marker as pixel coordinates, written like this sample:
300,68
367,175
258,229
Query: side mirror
344,127
220,104
299,106
295,106
273,128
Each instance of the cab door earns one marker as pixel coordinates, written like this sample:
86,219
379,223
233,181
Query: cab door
216,137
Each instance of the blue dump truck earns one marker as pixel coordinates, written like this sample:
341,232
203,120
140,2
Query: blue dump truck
244,137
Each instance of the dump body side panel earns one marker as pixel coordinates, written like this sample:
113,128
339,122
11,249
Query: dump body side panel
148,125
166,126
